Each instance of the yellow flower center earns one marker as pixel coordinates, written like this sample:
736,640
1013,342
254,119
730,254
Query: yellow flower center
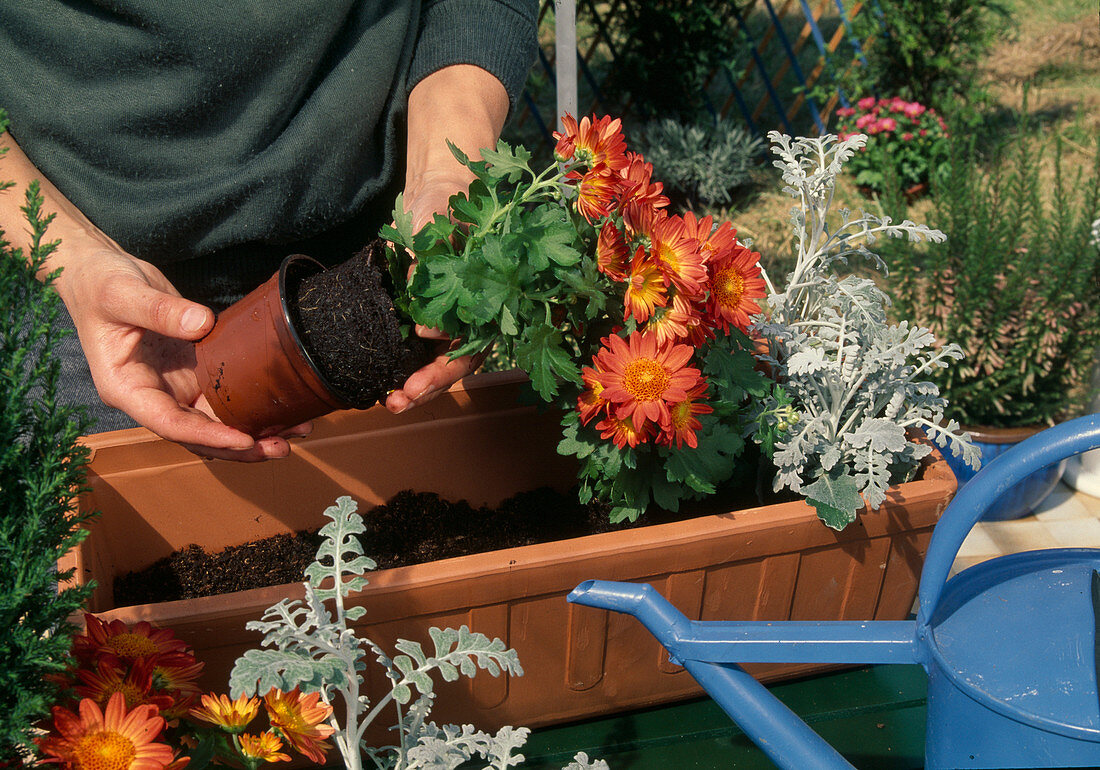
729,287
134,695
104,751
645,379
132,645
680,415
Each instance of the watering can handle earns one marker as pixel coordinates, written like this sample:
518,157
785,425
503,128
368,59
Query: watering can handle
970,504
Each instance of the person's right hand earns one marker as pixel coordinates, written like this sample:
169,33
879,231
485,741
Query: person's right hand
137,333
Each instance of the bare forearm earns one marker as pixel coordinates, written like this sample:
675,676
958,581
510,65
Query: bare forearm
76,233
463,104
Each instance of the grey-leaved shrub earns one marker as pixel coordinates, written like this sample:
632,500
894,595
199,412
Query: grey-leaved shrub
311,644
702,164
851,383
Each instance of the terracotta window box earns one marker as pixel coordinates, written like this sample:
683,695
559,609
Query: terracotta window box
773,562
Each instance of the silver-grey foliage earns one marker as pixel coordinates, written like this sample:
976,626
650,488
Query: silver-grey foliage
854,380
311,644
704,162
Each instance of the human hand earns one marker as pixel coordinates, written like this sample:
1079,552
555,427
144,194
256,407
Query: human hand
137,333
466,106
423,200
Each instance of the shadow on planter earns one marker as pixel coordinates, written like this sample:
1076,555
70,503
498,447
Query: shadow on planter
1022,498
774,562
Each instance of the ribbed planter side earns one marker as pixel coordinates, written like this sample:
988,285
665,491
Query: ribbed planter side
774,562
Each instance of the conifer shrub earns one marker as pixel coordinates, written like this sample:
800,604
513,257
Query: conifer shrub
41,467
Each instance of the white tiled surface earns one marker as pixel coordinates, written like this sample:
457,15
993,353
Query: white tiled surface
1067,518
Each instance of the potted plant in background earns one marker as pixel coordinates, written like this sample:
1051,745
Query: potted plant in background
637,418
1083,471
1016,287
41,465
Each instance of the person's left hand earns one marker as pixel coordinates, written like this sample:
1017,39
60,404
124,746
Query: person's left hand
423,200
465,105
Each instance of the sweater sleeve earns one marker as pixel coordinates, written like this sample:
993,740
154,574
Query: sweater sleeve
500,36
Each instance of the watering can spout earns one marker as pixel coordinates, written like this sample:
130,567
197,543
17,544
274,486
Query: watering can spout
641,600
844,641
787,741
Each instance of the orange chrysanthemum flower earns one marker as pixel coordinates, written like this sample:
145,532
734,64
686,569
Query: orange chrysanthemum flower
712,240
671,324
676,255
265,747
641,378
735,285
596,194
177,675
591,401
595,143
682,422
623,432
135,685
127,643
231,715
113,739
646,288
298,718
640,195
611,252
699,332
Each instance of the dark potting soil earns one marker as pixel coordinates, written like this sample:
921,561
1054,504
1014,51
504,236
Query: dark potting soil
413,527
346,320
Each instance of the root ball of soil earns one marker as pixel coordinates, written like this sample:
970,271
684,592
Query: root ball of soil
346,319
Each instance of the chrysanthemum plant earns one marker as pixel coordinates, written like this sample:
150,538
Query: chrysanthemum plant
131,701
852,391
311,646
627,318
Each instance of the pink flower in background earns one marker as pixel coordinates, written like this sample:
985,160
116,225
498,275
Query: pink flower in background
906,134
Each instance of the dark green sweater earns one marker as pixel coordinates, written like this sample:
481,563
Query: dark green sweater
191,131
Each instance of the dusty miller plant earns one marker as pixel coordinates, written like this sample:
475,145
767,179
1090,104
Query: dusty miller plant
850,382
312,645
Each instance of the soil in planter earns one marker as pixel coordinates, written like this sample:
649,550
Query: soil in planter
346,319
412,528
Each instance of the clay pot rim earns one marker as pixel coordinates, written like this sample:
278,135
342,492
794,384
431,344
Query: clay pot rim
988,434
287,263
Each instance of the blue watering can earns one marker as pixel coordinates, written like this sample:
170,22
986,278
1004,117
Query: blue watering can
1009,645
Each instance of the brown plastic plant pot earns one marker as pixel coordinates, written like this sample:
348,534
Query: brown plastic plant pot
253,368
